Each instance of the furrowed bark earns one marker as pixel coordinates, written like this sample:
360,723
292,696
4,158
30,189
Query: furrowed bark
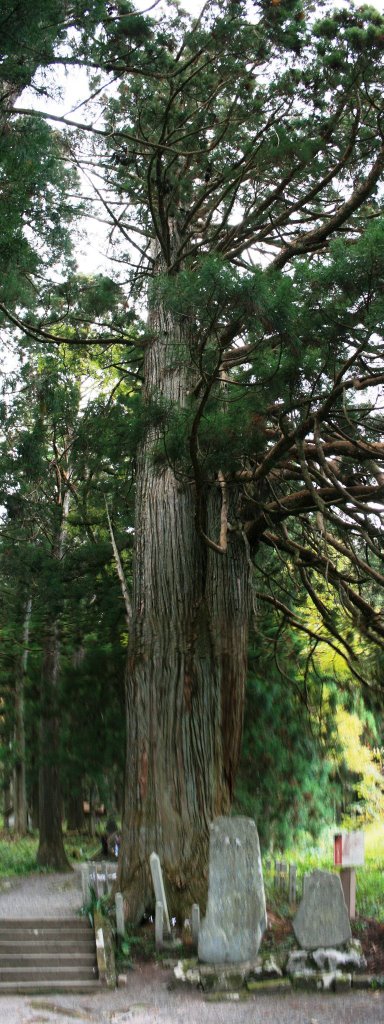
187,661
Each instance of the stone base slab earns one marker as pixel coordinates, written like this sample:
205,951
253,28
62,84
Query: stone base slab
231,982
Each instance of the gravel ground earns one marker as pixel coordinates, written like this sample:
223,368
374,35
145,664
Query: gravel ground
49,895
146,999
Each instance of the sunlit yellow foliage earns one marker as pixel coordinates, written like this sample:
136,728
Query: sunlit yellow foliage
367,764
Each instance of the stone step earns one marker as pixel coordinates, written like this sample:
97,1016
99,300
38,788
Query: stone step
57,973
38,987
58,924
52,946
47,955
47,959
49,935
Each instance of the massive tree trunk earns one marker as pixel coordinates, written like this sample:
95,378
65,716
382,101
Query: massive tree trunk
19,775
187,661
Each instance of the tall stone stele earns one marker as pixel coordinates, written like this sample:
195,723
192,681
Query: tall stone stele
235,921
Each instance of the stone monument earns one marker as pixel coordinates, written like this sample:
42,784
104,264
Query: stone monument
233,927
322,918
158,885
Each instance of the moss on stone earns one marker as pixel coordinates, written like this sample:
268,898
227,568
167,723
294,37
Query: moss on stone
269,985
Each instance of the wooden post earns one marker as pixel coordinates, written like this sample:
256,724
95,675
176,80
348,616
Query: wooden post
97,881
292,883
283,876
277,874
104,873
348,881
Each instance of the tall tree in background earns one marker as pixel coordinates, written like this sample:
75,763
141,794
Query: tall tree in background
250,194
56,477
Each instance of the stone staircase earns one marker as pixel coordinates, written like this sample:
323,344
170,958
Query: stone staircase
47,955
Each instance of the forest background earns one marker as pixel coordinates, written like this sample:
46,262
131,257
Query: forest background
244,415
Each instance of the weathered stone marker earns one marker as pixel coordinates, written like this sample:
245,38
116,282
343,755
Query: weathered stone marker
232,929
159,924
195,923
322,918
119,908
158,885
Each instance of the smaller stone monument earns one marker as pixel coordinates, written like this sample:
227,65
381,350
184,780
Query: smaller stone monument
233,927
158,885
322,918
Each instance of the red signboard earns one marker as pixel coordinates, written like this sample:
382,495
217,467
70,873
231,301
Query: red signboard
348,850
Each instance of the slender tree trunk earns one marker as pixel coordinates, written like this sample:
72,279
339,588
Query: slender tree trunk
34,799
74,806
19,775
7,797
187,663
51,852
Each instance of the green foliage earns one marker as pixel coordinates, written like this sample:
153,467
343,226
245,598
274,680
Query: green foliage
34,209
133,943
17,857
286,782
80,590
369,891
97,904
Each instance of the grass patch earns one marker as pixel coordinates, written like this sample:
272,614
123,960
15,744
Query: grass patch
80,847
17,856
369,892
